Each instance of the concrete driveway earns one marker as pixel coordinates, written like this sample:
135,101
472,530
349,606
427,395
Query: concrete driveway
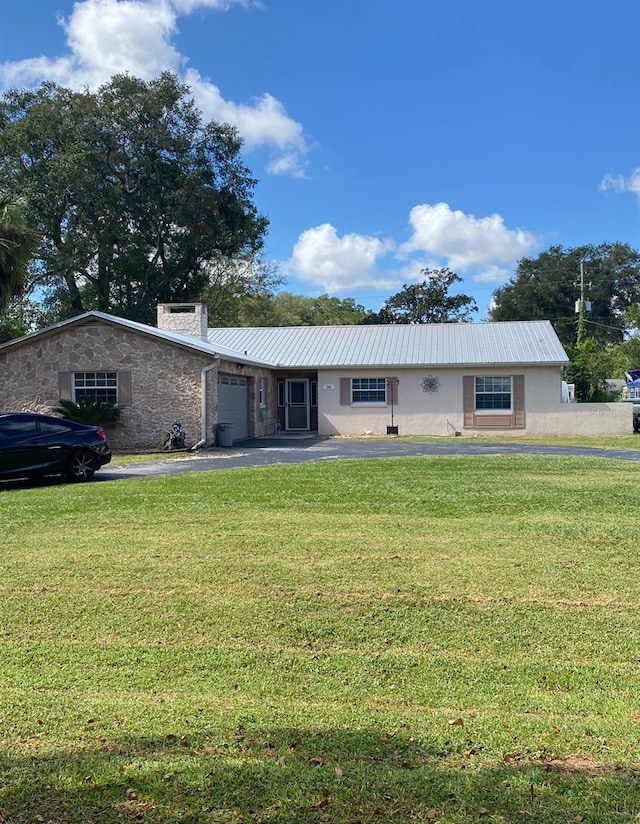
284,450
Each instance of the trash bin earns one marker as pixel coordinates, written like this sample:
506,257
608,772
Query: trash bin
225,434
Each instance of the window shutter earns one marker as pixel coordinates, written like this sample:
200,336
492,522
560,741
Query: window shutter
345,391
64,385
392,393
124,389
518,402
468,400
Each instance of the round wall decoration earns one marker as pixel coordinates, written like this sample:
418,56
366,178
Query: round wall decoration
430,384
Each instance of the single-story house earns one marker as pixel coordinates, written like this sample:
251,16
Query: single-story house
435,379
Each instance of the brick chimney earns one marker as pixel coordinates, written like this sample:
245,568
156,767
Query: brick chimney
184,318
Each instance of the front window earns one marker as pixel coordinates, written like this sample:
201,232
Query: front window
493,393
101,387
368,390
262,392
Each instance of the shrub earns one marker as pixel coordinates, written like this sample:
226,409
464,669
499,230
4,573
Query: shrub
86,410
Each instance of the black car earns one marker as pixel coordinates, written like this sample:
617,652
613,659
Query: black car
35,445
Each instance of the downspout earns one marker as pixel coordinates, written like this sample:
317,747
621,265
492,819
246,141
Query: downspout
203,402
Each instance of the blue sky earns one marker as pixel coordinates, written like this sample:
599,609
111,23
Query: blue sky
386,136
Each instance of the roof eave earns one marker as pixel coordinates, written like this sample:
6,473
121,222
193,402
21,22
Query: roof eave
453,365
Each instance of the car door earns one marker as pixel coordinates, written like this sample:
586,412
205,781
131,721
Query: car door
22,448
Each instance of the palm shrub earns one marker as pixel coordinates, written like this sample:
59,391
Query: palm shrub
88,411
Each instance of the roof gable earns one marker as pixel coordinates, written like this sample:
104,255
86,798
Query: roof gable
175,338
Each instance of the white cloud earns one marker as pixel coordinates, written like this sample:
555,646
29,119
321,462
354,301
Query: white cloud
263,123
107,37
482,250
187,6
618,183
464,241
337,263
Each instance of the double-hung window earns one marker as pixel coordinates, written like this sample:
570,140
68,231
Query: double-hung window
368,390
101,387
493,401
493,393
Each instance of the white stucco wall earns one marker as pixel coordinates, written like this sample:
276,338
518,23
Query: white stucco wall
584,419
440,413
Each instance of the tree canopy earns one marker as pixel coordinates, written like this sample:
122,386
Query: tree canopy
17,245
548,286
588,370
133,195
427,302
287,309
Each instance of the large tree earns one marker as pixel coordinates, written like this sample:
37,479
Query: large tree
133,194
429,301
20,317
17,246
237,289
287,309
548,286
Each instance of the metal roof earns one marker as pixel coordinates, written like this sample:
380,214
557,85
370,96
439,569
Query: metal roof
313,347
444,344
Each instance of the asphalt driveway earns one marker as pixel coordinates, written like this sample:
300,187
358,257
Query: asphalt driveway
267,451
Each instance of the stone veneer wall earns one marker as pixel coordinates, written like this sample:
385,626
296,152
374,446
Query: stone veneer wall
165,379
186,318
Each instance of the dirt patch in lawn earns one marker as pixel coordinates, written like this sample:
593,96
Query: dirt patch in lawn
575,763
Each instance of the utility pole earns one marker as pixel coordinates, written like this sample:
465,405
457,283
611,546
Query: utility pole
582,306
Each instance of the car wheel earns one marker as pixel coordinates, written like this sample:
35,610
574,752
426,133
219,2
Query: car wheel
82,466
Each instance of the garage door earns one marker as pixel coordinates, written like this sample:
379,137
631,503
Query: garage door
233,404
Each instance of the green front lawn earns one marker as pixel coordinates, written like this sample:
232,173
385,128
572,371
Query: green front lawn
627,442
431,639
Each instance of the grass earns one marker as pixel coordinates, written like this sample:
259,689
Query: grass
630,441
627,442
431,639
